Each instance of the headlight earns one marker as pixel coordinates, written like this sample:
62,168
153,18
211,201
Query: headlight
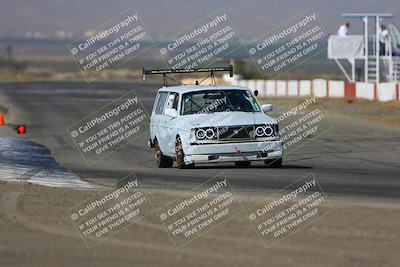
268,130
200,134
259,131
206,133
210,133
264,131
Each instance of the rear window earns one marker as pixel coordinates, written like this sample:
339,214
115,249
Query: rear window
162,97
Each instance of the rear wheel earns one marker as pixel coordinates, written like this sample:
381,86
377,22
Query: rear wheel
161,160
242,164
180,156
273,163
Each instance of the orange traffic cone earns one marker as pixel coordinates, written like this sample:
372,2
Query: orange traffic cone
1,119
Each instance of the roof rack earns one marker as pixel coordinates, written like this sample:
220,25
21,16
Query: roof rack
164,72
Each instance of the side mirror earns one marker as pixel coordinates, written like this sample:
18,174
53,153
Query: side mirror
171,112
256,92
266,108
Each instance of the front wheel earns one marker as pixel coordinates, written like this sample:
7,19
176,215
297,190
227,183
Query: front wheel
180,156
161,160
273,163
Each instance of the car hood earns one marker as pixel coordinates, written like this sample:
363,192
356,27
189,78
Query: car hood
226,119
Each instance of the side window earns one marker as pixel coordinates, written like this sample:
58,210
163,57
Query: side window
173,101
155,102
176,101
161,102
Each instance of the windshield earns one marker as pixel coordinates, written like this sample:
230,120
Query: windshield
210,101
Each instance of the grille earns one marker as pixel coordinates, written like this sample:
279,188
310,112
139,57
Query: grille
235,133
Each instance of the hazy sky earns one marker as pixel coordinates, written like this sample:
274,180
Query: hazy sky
164,18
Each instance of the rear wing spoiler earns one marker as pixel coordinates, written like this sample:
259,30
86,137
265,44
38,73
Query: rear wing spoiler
164,72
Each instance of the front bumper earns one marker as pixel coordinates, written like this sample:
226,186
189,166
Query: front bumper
232,152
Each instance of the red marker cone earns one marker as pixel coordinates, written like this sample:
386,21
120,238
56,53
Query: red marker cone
1,118
21,129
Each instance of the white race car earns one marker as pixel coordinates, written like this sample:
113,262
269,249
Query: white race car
208,124
205,124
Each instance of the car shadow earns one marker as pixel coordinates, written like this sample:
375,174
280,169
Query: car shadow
284,166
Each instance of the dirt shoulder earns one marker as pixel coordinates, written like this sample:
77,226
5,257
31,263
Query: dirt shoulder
35,231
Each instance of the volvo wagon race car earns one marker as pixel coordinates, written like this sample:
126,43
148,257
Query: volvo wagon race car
196,124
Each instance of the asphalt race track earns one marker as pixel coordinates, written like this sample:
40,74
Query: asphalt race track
354,159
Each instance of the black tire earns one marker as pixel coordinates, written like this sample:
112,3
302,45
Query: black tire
179,155
273,163
161,160
242,164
